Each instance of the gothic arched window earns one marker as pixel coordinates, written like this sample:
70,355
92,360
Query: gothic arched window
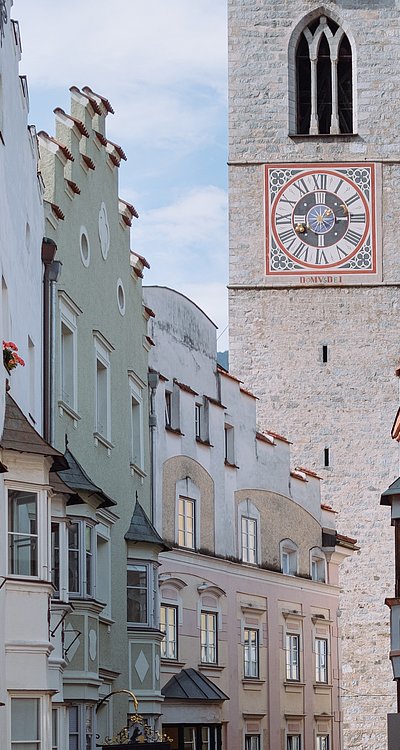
324,80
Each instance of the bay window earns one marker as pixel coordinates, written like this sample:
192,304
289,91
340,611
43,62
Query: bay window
25,724
23,537
138,595
81,559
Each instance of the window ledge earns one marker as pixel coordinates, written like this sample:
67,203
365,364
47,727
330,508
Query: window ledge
135,469
213,667
204,442
322,687
68,410
165,662
324,136
101,439
231,465
174,430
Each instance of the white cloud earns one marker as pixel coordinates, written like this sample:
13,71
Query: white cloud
162,63
187,237
185,243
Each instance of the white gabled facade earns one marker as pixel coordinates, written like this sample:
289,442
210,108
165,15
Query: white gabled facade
25,495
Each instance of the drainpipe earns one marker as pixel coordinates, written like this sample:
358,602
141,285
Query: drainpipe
153,379
52,270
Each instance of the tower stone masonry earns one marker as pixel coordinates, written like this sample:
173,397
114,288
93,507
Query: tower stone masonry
315,282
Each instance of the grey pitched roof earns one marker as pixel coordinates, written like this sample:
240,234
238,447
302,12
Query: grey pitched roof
19,435
191,685
392,490
142,530
76,479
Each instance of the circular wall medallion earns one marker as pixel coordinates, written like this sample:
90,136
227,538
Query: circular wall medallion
104,231
121,297
84,247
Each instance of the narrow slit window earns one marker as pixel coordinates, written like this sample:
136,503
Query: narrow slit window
324,353
327,458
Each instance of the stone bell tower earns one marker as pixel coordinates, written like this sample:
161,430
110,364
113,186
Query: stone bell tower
315,281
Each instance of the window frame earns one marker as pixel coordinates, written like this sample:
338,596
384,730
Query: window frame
318,566
292,657
321,650
229,444
137,432
39,742
183,532
249,672
293,745
165,643
208,649
247,552
68,314
289,552
314,39
249,744
83,556
82,711
13,559
323,736
102,358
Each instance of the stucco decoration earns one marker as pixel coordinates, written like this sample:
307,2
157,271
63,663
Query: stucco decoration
92,644
84,246
104,231
121,297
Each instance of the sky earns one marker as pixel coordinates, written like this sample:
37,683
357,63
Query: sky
163,66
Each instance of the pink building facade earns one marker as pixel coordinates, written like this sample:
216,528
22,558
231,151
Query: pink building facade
249,591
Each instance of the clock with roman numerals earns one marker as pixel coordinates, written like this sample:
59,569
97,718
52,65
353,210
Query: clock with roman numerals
321,218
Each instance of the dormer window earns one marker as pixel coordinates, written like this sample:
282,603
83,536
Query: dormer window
324,80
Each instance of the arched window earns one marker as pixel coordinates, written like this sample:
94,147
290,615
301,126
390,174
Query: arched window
289,557
324,79
317,565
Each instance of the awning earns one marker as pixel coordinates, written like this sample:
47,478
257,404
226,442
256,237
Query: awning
191,685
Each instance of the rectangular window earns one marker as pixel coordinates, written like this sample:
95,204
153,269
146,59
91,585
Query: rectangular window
23,533
168,625
55,744
81,559
137,457
197,420
189,738
137,594
168,409
229,447
321,660
292,656
103,390
68,354
323,742
55,556
25,724
102,398
252,742
186,523
208,637
249,540
81,732
251,653
324,353
327,458
293,742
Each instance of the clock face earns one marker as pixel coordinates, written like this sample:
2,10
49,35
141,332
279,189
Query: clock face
320,218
